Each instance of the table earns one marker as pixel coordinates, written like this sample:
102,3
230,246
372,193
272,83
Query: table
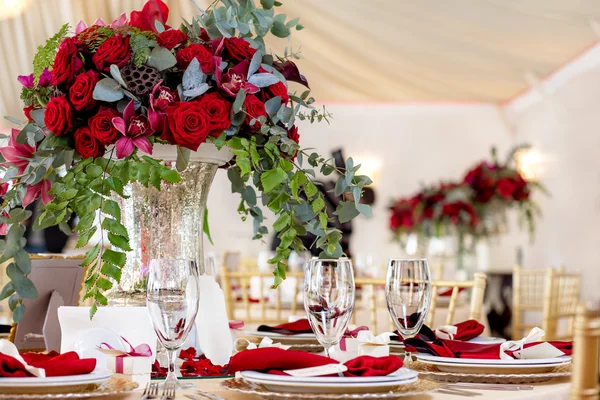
557,390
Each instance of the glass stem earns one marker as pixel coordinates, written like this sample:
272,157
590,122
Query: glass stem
407,357
171,365
326,348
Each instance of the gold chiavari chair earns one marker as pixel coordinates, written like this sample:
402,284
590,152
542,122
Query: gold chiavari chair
476,286
259,311
552,292
586,352
529,286
560,303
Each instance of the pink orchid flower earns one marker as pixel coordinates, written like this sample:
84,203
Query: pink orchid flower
160,98
120,21
235,79
17,154
135,130
28,80
34,191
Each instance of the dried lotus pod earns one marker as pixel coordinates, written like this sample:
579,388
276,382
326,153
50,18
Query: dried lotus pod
140,80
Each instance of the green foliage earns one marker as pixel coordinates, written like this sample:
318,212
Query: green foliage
45,54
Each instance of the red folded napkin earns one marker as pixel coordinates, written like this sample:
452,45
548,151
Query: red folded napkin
273,360
60,364
10,367
290,328
467,330
459,349
53,363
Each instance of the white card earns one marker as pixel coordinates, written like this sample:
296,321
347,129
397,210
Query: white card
322,370
542,350
132,323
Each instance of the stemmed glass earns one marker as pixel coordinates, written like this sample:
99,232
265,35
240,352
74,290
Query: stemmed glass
408,295
329,298
172,300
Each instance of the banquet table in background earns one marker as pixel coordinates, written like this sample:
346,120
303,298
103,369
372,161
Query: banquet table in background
556,390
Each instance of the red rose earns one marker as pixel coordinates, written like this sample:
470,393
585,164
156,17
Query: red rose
66,63
187,54
27,111
254,109
187,125
506,188
58,116
101,125
115,50
171,38
278,89
218,110
238,49
82,89
86,145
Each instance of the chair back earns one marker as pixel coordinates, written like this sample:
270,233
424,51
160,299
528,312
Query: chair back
529,287
372,288
561,298
240,305
586,353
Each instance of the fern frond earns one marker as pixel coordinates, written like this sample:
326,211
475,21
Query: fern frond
45,54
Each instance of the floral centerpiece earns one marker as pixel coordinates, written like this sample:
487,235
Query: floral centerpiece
472,208
103,98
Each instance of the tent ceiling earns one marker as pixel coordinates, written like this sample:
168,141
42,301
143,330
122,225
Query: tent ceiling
376,50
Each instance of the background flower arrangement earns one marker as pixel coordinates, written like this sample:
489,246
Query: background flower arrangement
101,98
475,206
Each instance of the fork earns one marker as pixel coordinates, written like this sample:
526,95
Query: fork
169,391
151,391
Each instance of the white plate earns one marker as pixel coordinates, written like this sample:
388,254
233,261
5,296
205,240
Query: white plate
401,374
301,337
55,382
487,340
475,361
315,385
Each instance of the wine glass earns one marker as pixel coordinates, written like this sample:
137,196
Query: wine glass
408,295
172,300
329,298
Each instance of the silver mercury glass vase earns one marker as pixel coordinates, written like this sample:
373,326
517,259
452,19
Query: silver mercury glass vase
166,223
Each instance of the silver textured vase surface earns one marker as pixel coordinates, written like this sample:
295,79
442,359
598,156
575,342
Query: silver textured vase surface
162,224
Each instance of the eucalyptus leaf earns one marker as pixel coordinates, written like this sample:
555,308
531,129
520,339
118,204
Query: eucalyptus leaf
239,101
38,116
272,105
108,90
159,26
183,158
161,59
116,74
263,79
254,64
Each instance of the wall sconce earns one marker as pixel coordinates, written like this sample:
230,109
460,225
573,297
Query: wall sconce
529,163
368,166
12,8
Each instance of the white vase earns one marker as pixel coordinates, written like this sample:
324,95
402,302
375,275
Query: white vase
166,223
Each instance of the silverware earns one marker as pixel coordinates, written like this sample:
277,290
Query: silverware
204,396
487,386
151,391
457,392
169,391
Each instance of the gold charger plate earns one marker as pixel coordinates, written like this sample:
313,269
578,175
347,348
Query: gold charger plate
428,371
420,387
113,387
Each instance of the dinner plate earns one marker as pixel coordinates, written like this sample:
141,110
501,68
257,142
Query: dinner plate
336,385
402,373
468,365
300,337
53,384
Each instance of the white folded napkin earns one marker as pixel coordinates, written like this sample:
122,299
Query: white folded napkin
244,344
8,348
446,332
543,350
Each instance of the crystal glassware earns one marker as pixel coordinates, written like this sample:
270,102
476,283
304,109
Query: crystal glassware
172,299
408,295
329,298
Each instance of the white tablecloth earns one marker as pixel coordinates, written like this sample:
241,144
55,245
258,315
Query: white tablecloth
547,391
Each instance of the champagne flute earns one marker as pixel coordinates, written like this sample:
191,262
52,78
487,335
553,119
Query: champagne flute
408,295
172,300
329,298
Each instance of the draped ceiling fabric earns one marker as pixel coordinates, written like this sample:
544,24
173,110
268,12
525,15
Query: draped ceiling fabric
375,50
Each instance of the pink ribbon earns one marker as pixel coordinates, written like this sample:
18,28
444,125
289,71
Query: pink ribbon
142,350
353,333
236,324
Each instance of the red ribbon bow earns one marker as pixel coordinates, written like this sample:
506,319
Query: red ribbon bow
142,350
353,333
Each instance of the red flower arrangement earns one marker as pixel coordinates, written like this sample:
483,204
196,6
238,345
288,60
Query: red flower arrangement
100,100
